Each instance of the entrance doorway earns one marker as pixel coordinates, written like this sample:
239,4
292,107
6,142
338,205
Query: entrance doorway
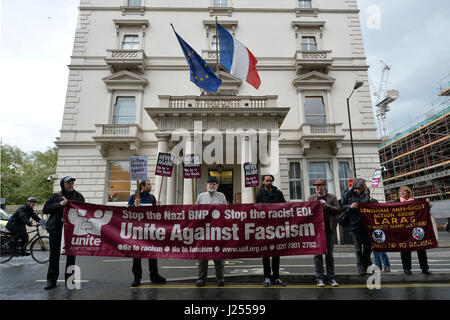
225,178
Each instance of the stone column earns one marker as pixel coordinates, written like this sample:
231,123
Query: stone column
187,186
275,157
171,188
163,140
246,154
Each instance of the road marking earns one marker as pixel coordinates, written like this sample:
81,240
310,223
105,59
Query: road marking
348,286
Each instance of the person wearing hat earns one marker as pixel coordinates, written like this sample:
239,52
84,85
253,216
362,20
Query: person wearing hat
331,208
54,207
16,224
211,196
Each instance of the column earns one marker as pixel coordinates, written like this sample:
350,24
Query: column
187,184
109,108
247,193
139,108
171,188
163,140
275,157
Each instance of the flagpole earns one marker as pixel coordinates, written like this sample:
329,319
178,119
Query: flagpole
217,47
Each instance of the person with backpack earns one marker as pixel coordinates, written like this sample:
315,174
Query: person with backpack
145,198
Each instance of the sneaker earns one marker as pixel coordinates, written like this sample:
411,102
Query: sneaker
267,282
220,283
387,269
320,283
333,283
408,272
136,283
280,283
200,283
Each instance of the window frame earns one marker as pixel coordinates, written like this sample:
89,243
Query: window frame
221,5
295,179
303,2
330,179
135,36
108,183
308,44
116,97
130,5
347,161
325,115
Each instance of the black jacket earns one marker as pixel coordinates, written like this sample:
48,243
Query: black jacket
275,196
21,217
353,215
55,210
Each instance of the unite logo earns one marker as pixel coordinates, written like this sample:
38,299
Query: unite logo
86,227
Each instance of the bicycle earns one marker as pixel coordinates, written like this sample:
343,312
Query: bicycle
39,246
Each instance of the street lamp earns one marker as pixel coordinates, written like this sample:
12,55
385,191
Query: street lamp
357,85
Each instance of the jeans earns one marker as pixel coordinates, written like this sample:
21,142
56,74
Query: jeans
273,273
363,249
329,259
203,269
381,259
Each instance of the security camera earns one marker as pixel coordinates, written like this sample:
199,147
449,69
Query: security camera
383,168
50,177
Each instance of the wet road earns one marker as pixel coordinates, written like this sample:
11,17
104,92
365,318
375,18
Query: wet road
110,278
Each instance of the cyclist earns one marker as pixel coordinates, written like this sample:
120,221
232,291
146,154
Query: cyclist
20,218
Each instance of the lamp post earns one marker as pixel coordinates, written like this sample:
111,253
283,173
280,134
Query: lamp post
357,85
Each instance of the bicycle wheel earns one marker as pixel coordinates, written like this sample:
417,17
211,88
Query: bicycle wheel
6,248
40,249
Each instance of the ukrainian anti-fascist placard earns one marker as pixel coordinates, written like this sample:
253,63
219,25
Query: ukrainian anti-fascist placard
399,226
251,175
195,231
192,166
164,165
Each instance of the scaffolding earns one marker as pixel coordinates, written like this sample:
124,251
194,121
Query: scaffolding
419,158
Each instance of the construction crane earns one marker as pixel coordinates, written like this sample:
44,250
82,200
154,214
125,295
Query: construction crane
384,97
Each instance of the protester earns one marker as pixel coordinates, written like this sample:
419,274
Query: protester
381,258
350,212
145,198
54,206
268,193
405,194
16,224
211,196
330,210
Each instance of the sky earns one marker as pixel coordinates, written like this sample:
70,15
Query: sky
36,40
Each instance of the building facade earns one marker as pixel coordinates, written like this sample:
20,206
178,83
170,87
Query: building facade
129,94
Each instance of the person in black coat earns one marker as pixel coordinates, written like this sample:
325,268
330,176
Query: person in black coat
350,213
268,193
16,224
54,207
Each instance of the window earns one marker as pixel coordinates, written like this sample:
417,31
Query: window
314,110
304,4
309,44
214,43
130,42
220,3
125,110
119,181
320,170
344,175
295,181
134,3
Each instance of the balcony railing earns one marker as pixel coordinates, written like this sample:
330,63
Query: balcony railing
119,59
120,131
311,60
322,129
221,102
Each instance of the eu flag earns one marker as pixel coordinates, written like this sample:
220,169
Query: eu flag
201,73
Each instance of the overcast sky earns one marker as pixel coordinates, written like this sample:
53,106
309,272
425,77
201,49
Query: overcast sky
36,39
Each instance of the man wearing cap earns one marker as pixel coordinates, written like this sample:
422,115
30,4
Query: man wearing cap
20,218
331,208
211,196
54,207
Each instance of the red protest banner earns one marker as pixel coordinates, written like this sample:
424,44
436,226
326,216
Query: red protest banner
195,231
404,226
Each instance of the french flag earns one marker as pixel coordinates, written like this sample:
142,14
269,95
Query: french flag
237,59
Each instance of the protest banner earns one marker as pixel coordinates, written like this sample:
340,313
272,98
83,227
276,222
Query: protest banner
401,226
164,165
215,231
